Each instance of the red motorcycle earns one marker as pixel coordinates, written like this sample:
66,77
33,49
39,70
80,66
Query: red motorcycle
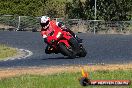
63,42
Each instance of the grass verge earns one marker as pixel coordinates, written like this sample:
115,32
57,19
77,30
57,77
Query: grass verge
6,51
64,80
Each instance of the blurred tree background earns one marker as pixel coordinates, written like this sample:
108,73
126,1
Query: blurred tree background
110,10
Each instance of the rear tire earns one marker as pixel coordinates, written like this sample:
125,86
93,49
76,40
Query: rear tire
83,52
65,51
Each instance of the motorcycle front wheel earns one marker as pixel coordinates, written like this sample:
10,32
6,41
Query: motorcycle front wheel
65,51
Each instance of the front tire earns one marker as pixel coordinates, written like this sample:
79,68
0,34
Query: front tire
74,44
65,51
47,50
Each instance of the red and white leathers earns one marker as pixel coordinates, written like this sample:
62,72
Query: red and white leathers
52,27
47,32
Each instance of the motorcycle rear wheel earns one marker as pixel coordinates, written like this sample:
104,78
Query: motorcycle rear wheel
82,52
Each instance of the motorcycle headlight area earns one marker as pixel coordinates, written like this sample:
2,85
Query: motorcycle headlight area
58,35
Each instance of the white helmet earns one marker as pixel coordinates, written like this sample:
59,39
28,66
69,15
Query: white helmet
44,22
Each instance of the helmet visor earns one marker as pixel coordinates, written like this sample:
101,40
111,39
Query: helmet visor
45,24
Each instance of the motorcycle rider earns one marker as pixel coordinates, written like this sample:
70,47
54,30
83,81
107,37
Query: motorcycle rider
48,27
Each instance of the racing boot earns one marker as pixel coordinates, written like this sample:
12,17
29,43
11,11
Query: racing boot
73,34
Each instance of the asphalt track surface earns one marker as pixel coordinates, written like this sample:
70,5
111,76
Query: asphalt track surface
107,49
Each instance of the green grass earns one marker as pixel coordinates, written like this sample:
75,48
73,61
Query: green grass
63,80
6,51
69,0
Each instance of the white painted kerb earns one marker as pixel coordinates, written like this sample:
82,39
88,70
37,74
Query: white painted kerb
21,54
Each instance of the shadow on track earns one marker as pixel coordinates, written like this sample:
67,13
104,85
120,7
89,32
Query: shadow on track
53,58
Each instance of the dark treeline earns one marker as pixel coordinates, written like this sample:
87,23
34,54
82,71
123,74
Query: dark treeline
106,9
